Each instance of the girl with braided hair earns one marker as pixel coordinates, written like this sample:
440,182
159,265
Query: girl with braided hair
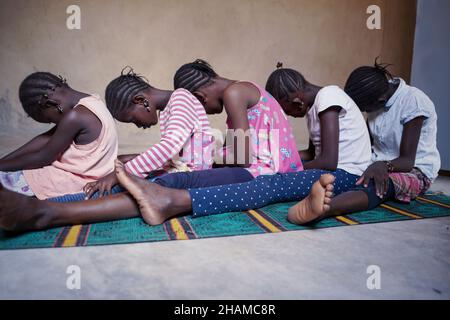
269,146
80,148
405,160
186,148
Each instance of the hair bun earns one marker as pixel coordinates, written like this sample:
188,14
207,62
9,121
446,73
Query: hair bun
383,67
128,71
279,65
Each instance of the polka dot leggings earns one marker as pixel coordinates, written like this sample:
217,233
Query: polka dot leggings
263,191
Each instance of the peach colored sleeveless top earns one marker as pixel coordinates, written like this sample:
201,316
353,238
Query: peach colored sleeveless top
79,164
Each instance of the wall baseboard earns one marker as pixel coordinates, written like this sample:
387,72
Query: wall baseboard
444,173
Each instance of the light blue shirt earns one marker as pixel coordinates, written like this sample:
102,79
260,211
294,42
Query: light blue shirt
386,128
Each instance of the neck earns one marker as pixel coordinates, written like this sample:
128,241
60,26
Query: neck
159,98
311,91
222,83
73,97
393,86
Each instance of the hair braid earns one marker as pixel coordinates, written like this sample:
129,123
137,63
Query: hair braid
366,85
120,92
34,88
283,82
194,75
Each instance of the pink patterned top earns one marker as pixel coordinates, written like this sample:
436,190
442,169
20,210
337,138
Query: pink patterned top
273,145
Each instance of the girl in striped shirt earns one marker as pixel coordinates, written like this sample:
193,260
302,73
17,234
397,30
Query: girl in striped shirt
186,145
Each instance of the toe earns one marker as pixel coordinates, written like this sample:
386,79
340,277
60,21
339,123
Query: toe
329,194
329,187
327,179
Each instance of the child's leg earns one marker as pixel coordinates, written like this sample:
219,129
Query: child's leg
359,199
260,192
179,180
25,213
204,178
19,213
158,204
320,204
82,196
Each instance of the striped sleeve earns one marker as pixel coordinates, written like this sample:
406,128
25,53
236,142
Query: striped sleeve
180,125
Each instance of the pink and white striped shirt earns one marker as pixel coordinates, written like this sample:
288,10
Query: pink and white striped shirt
185,136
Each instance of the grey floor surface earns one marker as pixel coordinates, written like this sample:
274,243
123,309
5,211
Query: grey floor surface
413,257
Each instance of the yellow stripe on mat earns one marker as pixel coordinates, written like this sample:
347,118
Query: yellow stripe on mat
264,221
434,202
178,229
72,236
411,215
346,220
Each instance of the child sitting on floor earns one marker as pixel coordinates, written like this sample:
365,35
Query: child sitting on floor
81,147
186,148
270,147
403,125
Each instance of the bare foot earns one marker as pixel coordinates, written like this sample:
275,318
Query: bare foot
316,204
156,203
20,213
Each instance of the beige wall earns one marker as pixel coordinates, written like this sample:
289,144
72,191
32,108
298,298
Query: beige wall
242,39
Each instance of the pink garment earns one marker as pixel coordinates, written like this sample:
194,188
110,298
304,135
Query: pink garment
273,145
186,143
79,164
409,185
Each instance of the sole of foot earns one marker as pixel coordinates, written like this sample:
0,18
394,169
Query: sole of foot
316,204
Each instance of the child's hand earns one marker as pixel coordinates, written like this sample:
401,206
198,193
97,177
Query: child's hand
103,185
377,171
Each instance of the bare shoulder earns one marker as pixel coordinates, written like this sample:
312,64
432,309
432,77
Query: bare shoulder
80,116
83,112
242,91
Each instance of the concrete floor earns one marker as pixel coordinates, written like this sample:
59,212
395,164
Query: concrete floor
413,256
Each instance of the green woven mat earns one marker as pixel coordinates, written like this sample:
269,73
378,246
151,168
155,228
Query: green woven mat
270,219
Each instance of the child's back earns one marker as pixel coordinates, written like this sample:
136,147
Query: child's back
79,163
273,144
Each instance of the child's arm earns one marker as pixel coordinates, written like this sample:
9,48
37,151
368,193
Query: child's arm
124,158
236,101
159,154
33,145
308,154
329,133
408,146
106,183
179,129
64,134
379,170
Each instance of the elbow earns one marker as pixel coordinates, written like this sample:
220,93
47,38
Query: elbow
46,159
